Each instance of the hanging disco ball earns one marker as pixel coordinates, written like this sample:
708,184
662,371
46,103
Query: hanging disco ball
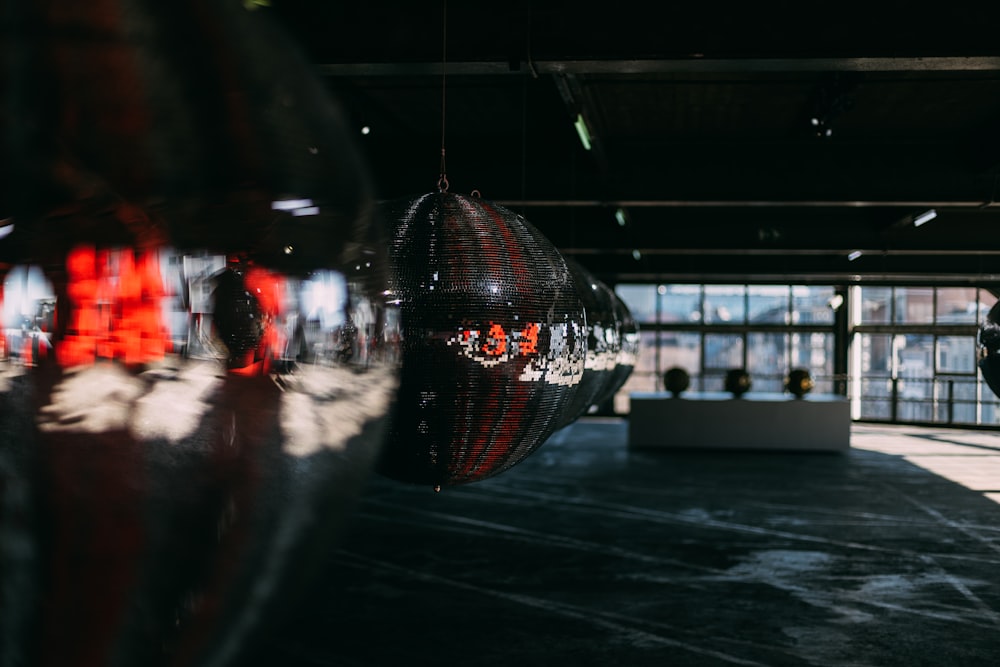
603,343
628,347
493,336
197,361
989,349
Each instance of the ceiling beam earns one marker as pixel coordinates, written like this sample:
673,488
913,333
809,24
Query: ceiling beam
666,66
744,203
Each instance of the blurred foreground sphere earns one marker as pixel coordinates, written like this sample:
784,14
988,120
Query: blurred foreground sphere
494,340
197,362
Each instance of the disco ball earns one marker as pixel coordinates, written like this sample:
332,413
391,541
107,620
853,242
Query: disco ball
989,349
494,340
628,348
799,382
737,382
603,342
676,380
197,362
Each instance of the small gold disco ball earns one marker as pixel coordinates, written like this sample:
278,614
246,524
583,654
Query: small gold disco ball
738,382
799,383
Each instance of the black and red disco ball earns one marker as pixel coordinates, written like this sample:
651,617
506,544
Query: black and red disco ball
989,349
198,361
603,342
493,339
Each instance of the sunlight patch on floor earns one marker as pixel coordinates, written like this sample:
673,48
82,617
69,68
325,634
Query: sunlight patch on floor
969,458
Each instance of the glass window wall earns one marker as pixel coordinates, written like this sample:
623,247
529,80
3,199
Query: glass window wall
910,352
918,364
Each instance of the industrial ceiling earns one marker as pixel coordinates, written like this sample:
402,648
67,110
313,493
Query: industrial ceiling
728,141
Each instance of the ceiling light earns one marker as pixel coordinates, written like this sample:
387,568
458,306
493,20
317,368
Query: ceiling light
926,216
366,130
290,204
581,129
854,255
636,255
620,217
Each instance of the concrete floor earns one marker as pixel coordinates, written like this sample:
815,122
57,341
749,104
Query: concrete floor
590,554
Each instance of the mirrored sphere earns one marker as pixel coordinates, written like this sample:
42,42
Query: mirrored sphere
603,341
676,380
989,349
737,382
799,382
628,347
198,361
494,341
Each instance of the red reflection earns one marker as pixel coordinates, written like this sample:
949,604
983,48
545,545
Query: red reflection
496,341
269,289
115,307
529,336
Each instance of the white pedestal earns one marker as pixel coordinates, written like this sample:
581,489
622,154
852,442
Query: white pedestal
756,421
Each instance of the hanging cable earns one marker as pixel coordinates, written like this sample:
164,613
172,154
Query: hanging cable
443,178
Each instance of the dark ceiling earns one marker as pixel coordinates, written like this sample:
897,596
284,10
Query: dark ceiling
701,118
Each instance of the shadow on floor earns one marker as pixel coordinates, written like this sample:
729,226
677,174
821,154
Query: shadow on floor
588,553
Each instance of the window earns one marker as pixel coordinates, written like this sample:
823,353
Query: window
680,303
724,304
923,366
641,301
876,304
767,304
910,353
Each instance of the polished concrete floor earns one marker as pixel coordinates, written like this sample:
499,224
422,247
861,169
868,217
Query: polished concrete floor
592,554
